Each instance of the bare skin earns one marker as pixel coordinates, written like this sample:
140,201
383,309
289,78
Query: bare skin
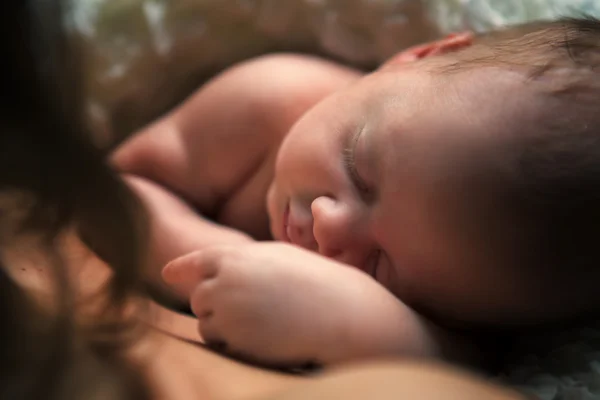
234,303
215,157
393,381
226,174
363,171
176,368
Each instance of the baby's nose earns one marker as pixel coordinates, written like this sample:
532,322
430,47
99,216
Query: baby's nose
335,231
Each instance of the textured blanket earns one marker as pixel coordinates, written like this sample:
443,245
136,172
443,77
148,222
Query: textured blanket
146,55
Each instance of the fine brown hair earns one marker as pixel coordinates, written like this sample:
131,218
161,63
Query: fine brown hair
53,180
544,175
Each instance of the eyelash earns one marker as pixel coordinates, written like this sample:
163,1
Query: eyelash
356,179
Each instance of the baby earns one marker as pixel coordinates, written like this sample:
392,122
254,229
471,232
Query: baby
461,180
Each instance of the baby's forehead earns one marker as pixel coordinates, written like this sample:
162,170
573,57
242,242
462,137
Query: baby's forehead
429,95
429,115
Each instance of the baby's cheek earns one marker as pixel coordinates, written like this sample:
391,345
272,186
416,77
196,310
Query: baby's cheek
270,196
400,282
272,206
412,277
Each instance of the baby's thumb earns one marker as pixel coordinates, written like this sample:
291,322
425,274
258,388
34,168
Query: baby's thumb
186,270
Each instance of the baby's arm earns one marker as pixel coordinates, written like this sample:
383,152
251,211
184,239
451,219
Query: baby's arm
176,229
278,304
217,150
212,158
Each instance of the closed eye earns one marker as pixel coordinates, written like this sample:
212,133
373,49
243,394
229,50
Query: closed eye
350,165
349,158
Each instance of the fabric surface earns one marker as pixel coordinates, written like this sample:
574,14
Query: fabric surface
146,55
482,15
562,365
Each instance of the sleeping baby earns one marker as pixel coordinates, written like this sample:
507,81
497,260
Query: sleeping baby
454,190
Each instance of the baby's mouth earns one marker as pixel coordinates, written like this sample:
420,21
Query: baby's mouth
286,223
298,231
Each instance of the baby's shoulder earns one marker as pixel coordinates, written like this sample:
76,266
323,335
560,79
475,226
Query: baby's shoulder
245,207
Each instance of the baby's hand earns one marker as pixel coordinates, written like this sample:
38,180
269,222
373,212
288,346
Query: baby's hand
278,304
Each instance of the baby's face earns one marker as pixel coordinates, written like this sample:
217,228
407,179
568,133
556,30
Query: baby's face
369,177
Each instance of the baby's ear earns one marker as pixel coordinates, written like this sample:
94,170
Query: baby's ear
450,43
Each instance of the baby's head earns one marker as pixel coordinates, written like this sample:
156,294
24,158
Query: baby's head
467,183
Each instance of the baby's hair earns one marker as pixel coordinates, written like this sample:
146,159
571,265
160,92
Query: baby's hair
548,176
537,47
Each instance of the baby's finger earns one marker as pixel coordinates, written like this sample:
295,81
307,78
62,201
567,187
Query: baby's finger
202,300
211,335
189,269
